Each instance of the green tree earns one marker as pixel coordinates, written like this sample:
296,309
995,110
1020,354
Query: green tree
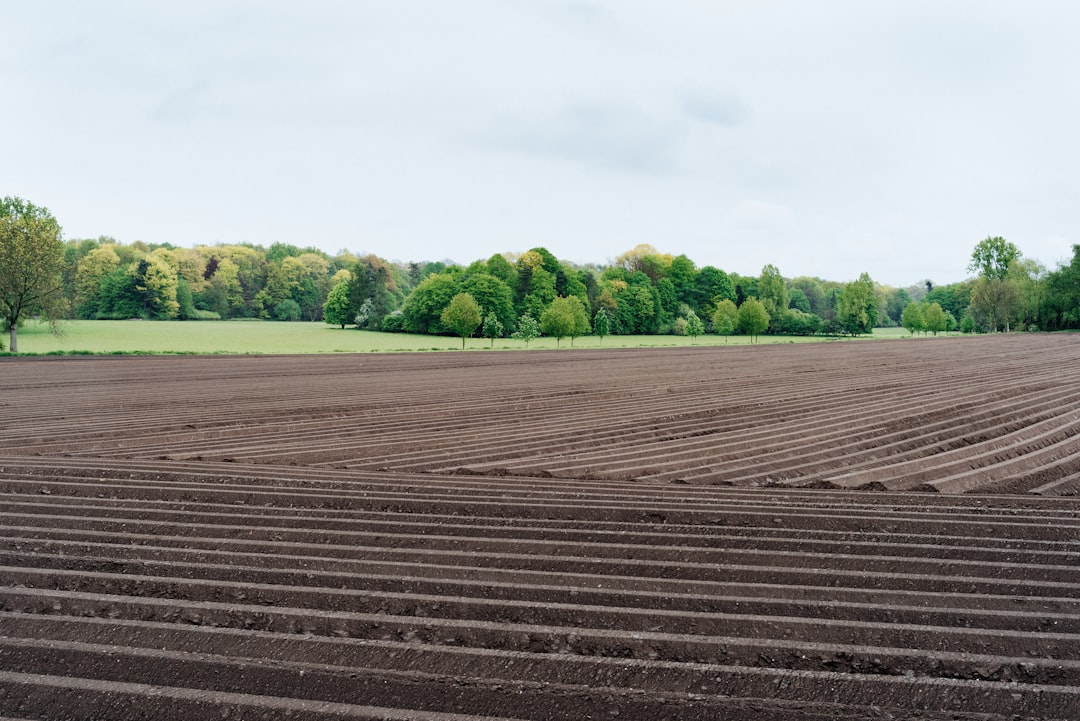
773,294
423,308
1063,294
185,302
799,301
683,275
155,283
117,297
565,317
527,329
462,316
223,293
796,322
363,313
725,318
288,310
601,324
934,318
492,327
994,302
694,326
895,303
992,257
493,295
912,318
753,318
336,308
711,285
856,308
89,274
31,261
953,298
373,279
638,306
500,267
1029,278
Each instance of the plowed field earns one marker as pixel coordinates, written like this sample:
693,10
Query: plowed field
883,530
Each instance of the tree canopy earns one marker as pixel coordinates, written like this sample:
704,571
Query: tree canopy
31,261
644,291
462,316
565,317
992,257
753,318
856,308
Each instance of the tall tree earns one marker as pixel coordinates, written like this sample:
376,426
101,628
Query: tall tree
773,294
1029,278
155,283
31,261
711,285
336,308
89,274
373,280
934,318
694,326
493,295
994,302
492,327
527,329
992,257
753,318
601,324
856,308
725,318
1063,294
683,275
912,318
565,317
422,309
462,316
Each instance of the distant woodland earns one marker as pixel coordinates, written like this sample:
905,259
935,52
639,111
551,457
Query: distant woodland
642,291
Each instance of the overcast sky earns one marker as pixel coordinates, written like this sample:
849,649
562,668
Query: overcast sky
827,138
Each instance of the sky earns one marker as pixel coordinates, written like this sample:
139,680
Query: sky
827,138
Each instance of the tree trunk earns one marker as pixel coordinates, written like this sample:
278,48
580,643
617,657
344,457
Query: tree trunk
13,346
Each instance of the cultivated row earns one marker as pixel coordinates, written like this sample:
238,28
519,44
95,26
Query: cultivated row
998,414
173,589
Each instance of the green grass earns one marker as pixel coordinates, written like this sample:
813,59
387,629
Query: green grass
135,336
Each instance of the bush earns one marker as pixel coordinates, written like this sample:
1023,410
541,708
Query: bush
394,323
288,310
205,315
795,322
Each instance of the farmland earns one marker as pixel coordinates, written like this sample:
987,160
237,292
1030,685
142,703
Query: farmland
870,530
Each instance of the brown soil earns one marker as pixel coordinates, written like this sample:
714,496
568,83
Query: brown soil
624,534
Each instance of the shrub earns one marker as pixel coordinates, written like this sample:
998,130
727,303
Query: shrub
287,309
394,323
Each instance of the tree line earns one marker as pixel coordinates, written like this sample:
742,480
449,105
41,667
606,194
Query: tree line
642,291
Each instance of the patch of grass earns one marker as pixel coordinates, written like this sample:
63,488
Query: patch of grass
127,337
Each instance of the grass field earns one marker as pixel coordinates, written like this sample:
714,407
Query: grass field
130,336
